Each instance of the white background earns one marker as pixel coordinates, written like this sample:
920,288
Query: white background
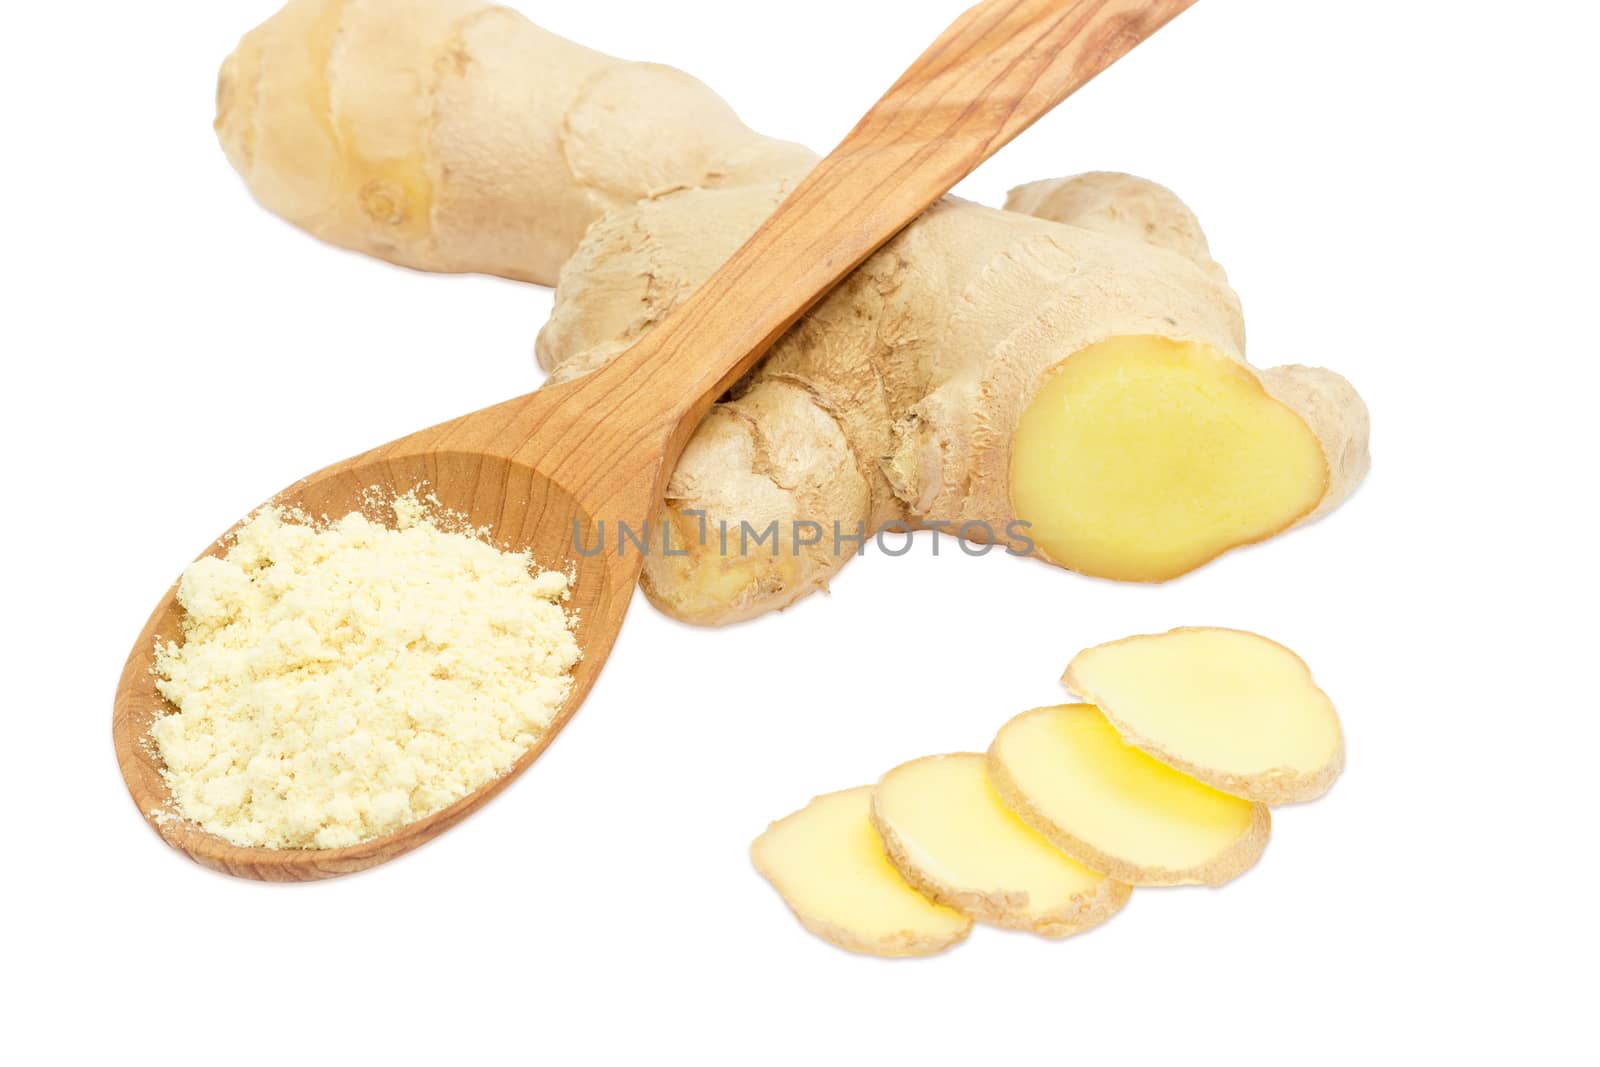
1403,191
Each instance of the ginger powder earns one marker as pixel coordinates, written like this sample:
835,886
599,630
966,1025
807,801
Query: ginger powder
336,682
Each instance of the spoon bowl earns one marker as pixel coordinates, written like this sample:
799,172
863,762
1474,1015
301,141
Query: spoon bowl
555,469
526,511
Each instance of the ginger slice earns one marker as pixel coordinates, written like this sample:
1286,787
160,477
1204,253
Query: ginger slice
951,836
1142,458
829,865
1066,773
1231,708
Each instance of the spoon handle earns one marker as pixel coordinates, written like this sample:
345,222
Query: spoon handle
996,70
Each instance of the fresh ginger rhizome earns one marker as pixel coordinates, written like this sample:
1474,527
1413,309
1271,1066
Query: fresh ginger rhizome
1076,361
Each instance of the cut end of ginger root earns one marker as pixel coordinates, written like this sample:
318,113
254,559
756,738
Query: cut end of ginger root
952,837
1068,774
1142,458
830,867
1233,709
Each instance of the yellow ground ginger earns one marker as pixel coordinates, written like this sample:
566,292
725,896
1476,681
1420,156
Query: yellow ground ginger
336,682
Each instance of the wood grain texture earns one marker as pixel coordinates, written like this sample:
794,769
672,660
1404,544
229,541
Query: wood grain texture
599,449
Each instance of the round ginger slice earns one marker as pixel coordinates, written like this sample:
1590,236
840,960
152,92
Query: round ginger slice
952,837
829,865
1066,773
1142,458
1234,709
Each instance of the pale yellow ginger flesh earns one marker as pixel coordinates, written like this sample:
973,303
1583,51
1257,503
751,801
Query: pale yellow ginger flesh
952,837
338,681
828,863
1142,458
1230,708
1068,774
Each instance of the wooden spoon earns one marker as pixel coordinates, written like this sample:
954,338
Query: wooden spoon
550,467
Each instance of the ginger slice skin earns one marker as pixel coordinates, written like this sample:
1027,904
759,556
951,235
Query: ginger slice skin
1142,458
1065,772
829,865
1234,709
951,836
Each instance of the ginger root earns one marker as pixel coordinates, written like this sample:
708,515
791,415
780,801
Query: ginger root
1066,377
